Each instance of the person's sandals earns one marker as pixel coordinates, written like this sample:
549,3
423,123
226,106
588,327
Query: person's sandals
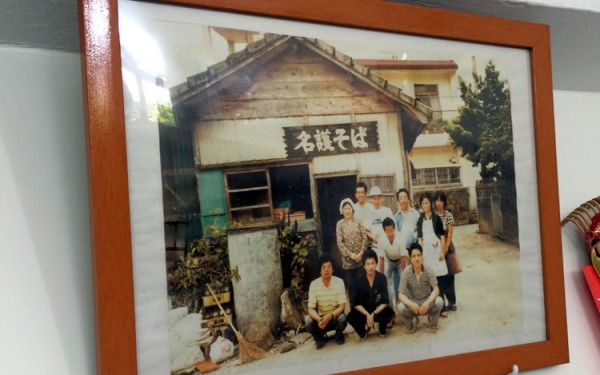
415,325
444,314
434,326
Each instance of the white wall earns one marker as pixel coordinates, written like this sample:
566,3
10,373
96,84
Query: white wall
578,180
46,302
46,308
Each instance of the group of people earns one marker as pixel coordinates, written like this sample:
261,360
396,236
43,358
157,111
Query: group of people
394,264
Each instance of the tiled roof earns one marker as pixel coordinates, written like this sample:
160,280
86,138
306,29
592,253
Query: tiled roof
209,78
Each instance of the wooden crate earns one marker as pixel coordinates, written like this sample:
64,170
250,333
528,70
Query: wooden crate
224,297
298,215
218,321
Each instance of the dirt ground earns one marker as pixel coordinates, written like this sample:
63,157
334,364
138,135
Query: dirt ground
490,278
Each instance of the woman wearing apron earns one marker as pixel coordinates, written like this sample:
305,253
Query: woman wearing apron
452,262
430,232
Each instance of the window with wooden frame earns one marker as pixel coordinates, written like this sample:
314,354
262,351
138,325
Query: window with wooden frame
248,196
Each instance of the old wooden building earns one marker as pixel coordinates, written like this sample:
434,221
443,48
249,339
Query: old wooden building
289,125
290,122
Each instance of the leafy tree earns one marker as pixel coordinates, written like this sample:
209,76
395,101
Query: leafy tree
437,125
483,128
164,114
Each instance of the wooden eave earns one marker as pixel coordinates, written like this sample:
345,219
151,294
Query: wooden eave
203,85
381,64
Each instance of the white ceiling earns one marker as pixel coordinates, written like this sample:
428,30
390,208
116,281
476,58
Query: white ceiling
574,26
591,5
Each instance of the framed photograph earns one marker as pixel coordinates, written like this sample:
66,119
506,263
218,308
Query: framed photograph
232,144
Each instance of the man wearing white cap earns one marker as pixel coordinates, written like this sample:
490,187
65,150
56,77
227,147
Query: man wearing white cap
373,224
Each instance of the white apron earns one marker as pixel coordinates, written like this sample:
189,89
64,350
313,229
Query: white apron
431,250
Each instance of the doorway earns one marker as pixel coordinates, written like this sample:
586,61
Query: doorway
330,192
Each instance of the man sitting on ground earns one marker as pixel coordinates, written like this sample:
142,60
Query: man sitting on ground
370,300
326,304
419,292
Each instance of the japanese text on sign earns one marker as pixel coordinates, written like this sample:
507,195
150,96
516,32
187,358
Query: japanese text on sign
319,140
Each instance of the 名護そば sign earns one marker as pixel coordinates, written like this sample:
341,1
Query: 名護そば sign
320,140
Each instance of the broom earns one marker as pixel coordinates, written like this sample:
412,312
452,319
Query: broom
248,351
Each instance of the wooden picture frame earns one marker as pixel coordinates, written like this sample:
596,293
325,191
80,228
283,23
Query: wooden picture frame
110,193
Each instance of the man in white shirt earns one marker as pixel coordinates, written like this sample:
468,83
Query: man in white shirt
326,305
373,223
396,258
362,208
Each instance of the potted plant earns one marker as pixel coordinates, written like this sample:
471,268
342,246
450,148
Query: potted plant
206,262
296,249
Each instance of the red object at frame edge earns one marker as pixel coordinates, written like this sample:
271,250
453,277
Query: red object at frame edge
593,281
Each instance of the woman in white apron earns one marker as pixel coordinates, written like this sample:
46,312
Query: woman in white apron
447,288
430,231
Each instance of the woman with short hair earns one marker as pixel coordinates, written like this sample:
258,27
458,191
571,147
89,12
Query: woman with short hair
351,242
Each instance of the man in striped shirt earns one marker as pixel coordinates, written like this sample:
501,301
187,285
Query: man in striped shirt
326,304
419,292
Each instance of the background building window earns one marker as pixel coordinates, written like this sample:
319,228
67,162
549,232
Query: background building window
436,176
429,95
